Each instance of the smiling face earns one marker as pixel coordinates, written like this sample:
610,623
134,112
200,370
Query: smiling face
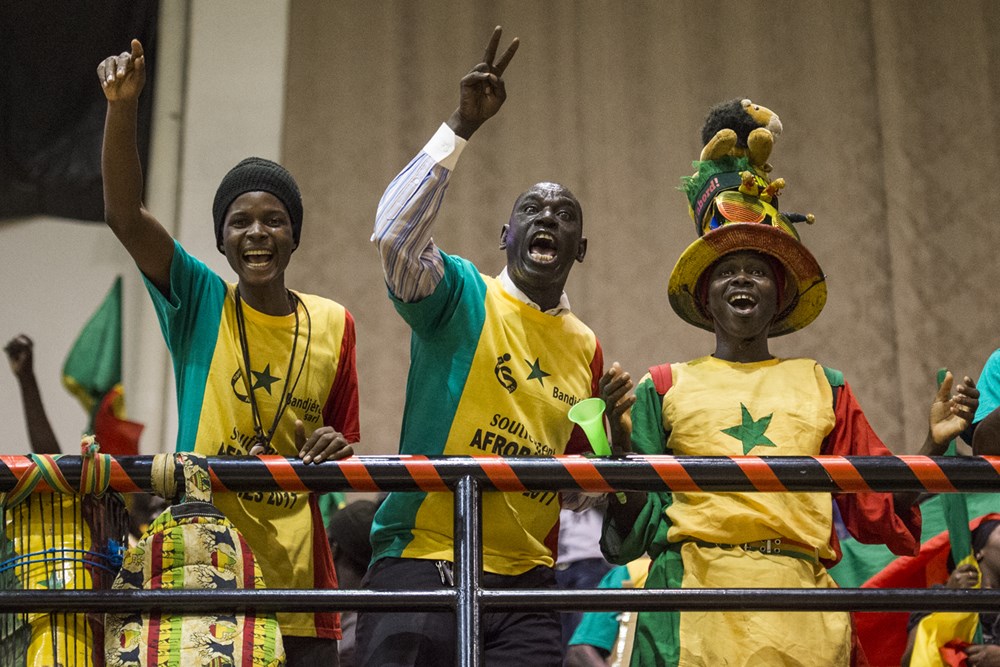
742,295
543,239
257,240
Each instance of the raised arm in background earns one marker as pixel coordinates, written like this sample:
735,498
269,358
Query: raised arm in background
40,436
950,414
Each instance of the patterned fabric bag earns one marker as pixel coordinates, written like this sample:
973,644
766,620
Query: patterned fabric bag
59,538
191,546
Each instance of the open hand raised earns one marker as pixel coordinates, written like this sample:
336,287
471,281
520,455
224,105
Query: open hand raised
482,89
950,414
123,76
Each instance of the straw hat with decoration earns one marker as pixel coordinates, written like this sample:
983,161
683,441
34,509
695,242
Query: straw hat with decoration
729,220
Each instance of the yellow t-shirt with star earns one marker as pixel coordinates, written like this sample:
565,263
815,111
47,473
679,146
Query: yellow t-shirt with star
489,376
318,382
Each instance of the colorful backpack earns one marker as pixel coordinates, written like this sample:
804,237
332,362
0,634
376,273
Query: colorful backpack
191,545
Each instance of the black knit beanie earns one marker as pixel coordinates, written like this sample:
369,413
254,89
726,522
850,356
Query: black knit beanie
256,174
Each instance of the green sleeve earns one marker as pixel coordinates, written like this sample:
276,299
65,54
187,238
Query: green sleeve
600,628
189,320
622,544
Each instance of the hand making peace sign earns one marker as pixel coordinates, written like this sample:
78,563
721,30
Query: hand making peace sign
482,89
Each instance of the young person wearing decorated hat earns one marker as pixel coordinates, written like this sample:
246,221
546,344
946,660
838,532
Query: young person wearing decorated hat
496,363
258,368
747,282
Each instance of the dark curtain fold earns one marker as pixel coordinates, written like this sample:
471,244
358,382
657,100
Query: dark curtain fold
51,104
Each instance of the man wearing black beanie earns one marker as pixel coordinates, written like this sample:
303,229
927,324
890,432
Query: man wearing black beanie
258,368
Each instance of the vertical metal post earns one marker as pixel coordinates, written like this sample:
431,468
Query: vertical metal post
468,570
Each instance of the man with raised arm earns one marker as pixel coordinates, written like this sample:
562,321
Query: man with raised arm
258,368
496,363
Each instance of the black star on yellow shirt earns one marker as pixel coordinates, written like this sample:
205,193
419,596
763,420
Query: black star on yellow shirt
263,379
536,372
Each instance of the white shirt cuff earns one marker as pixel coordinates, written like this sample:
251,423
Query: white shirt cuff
445,147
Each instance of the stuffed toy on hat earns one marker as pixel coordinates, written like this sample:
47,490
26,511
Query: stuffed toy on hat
741,128
732,180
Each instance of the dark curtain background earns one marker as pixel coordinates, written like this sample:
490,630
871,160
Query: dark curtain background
51,104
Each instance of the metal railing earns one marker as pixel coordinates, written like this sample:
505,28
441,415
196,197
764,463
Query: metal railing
469,477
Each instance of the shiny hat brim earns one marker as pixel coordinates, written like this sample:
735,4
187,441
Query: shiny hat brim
805,284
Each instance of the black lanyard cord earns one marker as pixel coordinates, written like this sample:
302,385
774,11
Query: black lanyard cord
260,437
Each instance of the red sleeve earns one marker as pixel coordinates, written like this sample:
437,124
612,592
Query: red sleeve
324,574
341,409
870,517
578,443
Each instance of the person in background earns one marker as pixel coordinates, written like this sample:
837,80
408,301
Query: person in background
605,638
986,424
20,355
580,563
986,550
142,507
348,532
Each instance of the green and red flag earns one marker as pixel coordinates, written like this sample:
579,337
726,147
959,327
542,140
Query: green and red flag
93,373
948,522
883,635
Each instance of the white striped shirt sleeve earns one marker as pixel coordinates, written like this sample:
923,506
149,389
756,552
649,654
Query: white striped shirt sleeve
411,261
